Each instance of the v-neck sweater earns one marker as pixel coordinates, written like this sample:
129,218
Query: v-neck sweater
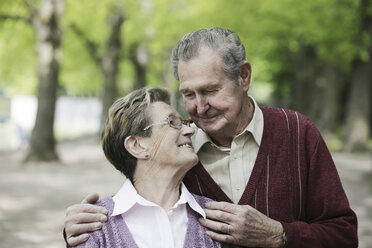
294,181
115,232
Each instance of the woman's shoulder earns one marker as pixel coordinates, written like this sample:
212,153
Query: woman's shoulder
107,203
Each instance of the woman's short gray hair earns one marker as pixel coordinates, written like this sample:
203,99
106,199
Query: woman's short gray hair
226,42
129,116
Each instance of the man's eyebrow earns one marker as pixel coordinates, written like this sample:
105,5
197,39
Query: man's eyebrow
205,87
210,87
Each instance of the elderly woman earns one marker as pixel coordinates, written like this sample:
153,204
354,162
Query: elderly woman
146,139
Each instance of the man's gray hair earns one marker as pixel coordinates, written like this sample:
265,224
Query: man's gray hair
226,42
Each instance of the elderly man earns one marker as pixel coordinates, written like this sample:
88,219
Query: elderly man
269,171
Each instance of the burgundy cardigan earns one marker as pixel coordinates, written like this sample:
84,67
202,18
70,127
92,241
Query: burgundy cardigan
294,181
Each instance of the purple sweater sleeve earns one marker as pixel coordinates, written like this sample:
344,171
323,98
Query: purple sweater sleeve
330,222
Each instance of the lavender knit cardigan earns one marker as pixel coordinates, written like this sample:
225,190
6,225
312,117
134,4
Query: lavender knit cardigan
115,232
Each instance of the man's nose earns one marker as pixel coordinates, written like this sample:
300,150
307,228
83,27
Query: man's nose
201,105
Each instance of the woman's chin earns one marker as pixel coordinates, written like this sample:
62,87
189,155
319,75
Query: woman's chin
192,163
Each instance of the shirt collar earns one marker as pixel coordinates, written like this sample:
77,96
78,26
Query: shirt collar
255,127
127,197
187,197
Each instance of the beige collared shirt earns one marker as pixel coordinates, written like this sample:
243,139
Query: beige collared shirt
231,167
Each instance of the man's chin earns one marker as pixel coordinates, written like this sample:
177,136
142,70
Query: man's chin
210,129
207,123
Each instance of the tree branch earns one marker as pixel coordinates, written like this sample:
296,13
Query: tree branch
90,45
31,7
15,18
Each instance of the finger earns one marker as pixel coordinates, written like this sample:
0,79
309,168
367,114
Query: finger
80,218
91,198
220,216
73,241
215,225
86,208
78,229
223,206
223,238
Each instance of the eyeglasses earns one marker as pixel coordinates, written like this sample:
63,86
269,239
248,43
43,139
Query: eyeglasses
172,121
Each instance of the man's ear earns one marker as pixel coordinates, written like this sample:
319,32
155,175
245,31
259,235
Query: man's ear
245,75
135,147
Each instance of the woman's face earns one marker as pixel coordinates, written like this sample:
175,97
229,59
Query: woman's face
170,144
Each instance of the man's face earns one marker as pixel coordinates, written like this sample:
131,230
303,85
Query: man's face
212,99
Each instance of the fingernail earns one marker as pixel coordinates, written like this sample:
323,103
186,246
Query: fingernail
103,218
98,226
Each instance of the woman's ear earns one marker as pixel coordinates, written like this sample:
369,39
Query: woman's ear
245,76
135,147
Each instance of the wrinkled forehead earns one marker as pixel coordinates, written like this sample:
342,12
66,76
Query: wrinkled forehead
158,111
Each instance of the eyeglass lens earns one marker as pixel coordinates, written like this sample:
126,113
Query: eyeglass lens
177,122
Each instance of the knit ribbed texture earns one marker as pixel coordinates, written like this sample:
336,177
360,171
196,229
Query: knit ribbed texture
294,181
115,232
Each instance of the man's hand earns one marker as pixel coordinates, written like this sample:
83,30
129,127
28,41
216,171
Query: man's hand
241,225
83,218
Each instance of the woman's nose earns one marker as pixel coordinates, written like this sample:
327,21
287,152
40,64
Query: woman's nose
187,130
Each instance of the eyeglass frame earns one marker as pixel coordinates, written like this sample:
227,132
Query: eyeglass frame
168,121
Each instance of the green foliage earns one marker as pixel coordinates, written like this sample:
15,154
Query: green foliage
271,30
17,55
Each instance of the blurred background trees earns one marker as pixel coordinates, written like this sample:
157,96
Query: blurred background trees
310,56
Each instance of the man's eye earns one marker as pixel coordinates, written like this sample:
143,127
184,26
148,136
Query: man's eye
210,92
188,95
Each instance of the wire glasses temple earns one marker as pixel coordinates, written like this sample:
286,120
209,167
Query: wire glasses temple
173,122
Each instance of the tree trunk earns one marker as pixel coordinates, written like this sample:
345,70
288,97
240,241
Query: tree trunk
139,57
327,112
46,24
358,109
304,88
110,62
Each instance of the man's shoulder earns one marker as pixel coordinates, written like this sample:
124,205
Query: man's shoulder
277,111
288,114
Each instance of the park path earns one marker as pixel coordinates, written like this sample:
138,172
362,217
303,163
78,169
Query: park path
34,197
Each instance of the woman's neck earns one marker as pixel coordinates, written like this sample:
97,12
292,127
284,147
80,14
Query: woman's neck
158,185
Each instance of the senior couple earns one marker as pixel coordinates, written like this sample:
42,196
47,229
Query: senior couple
264,177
